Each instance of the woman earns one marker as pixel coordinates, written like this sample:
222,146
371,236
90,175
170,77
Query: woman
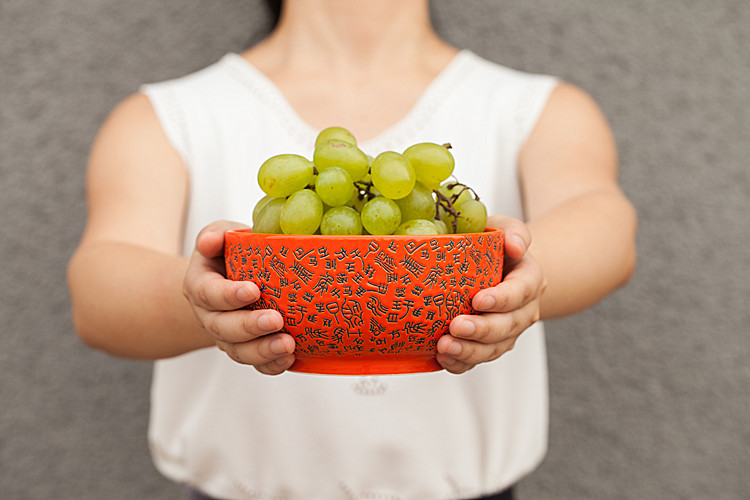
179,156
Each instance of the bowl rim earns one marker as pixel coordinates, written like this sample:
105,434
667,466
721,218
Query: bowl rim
368,237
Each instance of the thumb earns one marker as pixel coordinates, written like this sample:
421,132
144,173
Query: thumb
210,241
517,237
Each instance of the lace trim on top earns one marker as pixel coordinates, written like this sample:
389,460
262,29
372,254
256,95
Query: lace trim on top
533,97
174,123
415,119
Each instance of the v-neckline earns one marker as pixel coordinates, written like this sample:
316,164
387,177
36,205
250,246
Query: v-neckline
433,95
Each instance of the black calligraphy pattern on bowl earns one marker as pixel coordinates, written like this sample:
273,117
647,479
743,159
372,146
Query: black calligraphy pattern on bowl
366,297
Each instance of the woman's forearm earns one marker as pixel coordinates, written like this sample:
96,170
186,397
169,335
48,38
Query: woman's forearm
128,301
586,249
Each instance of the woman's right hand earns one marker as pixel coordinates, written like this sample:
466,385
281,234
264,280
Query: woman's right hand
246,336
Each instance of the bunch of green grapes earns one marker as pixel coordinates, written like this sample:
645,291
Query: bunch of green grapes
344,191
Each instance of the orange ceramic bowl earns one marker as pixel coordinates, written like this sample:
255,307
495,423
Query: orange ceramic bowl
366,305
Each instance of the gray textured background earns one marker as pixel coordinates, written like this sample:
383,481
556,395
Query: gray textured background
650,389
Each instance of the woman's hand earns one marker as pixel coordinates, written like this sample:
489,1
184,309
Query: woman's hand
506,310
246,336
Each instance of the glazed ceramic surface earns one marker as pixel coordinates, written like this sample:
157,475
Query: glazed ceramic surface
359,305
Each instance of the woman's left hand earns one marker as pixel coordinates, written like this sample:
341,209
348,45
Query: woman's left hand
504,311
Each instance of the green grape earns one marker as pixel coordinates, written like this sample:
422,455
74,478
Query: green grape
334,186
419,204
447,219
341,220
441,226
417,226
259,206
381,216
472,217
282,175
349,202
359,198
453,189
432,163
342,154
454,194
267,220
345,191
335,133
392,175
301,213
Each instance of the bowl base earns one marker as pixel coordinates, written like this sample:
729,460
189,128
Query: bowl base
362,365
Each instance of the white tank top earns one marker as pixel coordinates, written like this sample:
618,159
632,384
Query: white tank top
237,434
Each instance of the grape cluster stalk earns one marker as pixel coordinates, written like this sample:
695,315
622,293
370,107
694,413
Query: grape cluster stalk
344,191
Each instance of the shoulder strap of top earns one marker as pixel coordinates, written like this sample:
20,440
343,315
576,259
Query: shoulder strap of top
170,115
531,103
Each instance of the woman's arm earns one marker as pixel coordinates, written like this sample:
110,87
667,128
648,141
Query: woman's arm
579,241
127,280
582,225
125,277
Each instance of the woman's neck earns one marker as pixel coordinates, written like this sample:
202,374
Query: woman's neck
351,38
359,64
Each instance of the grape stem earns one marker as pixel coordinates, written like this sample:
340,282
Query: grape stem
447,204
455,196
365,186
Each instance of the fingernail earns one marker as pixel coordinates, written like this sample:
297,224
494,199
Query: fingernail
454,349
448,361
267,323
518,241
278,346
467,328
285,361
486,302
244,294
